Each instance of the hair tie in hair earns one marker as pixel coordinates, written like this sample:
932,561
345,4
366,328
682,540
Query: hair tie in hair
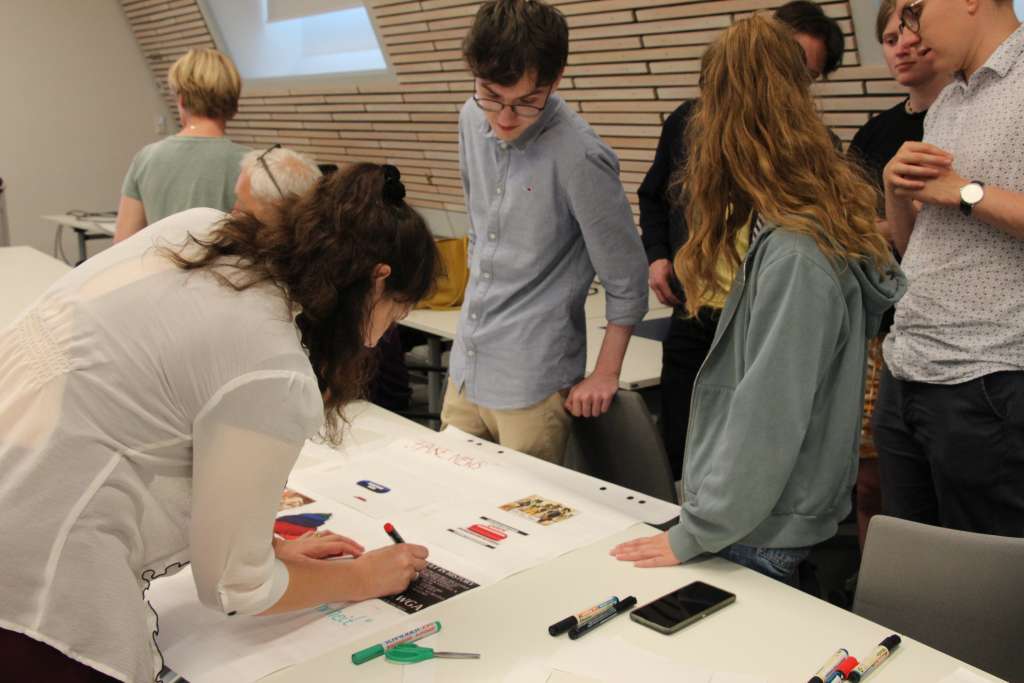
393,190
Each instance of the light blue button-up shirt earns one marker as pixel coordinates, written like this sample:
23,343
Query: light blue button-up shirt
546,212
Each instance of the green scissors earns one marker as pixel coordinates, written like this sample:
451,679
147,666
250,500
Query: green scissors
411,653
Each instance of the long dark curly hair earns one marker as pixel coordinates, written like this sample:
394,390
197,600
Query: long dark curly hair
321,250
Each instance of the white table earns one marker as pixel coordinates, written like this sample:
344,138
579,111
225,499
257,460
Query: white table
24,275
370,424
86,228
773,632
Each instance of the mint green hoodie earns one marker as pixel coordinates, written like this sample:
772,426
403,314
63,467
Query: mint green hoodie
775,419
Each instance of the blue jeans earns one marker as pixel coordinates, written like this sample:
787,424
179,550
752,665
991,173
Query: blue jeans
776,563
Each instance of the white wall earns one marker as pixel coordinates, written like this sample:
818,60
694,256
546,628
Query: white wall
77,100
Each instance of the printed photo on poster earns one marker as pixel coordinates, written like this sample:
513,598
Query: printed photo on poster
540,510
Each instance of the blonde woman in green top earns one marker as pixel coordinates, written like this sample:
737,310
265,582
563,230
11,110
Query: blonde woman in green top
199,166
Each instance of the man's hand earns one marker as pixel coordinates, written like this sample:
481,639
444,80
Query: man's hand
659,277
924,173
650,551
593,396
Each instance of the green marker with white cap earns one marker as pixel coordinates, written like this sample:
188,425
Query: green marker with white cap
412,636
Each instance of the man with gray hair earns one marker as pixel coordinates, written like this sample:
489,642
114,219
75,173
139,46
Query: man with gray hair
271,175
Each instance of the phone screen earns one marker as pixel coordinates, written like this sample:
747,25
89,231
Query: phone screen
683,604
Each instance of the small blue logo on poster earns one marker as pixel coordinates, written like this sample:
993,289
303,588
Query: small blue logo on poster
373,486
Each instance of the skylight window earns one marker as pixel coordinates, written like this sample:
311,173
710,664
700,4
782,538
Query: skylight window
275,39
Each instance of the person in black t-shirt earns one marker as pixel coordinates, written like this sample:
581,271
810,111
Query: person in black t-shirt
664,231
878,140
873,146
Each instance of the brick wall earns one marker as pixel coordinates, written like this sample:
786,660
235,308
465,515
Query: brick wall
631,62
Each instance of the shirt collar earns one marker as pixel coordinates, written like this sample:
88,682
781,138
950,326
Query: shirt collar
542,123
1002,60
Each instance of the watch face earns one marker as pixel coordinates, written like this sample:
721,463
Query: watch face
971,193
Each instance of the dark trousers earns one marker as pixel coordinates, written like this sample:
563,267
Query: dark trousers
953,455
683,352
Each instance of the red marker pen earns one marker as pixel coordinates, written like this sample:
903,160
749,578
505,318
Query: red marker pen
843,670
393,533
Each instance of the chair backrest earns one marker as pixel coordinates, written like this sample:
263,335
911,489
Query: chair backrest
956,591
623,446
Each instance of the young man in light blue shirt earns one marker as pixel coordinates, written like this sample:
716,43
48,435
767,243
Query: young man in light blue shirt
547,211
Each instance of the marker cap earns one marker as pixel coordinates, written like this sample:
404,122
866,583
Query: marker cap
366,655
847,665
562,626
891,643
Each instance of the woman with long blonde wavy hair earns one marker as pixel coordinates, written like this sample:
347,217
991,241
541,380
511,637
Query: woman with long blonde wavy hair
771,450
758,144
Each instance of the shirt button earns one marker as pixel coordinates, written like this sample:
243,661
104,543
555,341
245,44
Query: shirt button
487,276
471,353
473,316
493,236
498,190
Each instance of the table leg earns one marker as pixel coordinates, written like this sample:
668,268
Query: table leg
434,386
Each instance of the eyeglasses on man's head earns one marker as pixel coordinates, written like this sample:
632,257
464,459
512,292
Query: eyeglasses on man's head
261,159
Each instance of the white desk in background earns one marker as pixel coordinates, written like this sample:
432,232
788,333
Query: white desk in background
772,633
25,274
86,228
596,302
641,367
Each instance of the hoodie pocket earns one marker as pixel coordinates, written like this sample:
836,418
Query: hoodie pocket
709,409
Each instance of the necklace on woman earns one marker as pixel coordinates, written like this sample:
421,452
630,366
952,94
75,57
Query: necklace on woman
910,110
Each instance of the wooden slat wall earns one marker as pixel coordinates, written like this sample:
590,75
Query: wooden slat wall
631,62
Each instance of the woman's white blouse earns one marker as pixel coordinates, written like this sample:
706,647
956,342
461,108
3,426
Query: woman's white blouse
149,417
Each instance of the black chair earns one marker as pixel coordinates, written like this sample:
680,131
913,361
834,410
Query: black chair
623,446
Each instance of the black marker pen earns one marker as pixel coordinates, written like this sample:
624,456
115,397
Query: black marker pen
610,613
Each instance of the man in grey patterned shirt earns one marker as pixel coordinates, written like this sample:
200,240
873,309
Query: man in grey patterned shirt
949,424
546,210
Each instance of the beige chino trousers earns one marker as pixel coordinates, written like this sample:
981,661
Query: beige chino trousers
541,430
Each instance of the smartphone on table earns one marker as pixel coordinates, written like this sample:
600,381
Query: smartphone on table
682,607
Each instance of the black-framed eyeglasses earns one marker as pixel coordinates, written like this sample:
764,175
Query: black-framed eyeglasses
527,111
266,167
910,17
